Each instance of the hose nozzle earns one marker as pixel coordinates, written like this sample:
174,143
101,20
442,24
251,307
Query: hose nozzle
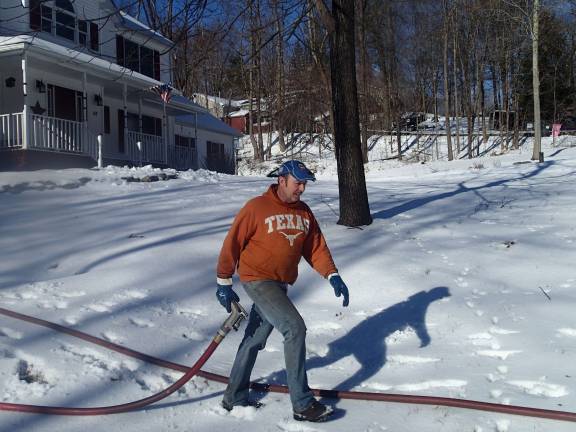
232,322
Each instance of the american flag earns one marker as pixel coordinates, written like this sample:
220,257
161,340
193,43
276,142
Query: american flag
164,91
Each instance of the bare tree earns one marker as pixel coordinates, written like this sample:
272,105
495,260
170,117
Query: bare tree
354,207
446,85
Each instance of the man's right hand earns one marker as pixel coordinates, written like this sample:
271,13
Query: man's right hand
225,294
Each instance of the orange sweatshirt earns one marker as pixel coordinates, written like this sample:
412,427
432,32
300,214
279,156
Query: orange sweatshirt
268,238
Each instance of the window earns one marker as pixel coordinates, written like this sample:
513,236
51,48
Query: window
151,125
65,25
83,33
65,103
60,20
147,61
65,5
183,141
46,19
137,57
132,53
215,151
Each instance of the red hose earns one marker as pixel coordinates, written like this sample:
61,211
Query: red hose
195,370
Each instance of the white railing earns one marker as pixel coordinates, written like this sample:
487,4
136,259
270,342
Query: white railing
51,133
182,157
90,145
66,136
152,149
11,131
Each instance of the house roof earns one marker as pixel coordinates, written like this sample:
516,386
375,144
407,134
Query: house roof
239,113
218,100
131,23
207,121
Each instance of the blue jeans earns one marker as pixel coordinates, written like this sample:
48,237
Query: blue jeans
271,309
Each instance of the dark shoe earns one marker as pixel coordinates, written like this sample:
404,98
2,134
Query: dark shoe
249,403
316,412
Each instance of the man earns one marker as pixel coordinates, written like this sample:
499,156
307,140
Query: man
265,243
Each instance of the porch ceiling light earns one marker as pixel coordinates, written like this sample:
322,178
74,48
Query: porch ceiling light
40,86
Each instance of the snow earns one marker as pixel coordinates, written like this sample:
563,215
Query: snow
463,286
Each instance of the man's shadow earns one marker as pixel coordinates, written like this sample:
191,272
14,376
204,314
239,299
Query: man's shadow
367,341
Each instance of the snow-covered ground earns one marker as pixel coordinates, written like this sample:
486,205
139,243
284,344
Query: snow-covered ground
464,286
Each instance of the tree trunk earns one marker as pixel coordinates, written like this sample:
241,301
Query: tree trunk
536,82
456,102
280,79
364,78
354,207
447,87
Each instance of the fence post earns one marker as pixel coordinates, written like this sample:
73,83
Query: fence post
99,139
139,145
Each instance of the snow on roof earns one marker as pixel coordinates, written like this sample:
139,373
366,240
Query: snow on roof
239,113
219,100
186,103
133,24
209,122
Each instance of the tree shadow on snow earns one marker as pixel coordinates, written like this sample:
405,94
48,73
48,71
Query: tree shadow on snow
367,341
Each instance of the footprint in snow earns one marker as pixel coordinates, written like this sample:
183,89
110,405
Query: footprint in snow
53,304
142,323
539,388
461,282
111,337
100,307
498,354
72,294
9,333
295,426
134,294
324,328
71,320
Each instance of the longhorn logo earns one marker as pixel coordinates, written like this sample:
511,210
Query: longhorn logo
290,237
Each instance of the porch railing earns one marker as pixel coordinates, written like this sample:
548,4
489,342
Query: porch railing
11,131
66,136
182,157
152,149
51,133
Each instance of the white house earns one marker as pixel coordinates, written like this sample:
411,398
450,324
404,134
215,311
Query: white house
76,73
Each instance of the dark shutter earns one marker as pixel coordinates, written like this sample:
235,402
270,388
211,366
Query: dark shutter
35,17
156,65
120,50
94,37
106,119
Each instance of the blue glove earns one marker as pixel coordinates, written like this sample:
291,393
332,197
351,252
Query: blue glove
340,288
226,295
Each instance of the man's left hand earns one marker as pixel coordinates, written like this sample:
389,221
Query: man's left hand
340,288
